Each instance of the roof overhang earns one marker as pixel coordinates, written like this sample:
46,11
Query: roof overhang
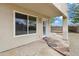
47,9
62,7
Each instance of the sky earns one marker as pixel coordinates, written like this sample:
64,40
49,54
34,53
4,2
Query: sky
70,13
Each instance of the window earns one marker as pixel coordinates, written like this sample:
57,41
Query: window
32,24
21,24
24,24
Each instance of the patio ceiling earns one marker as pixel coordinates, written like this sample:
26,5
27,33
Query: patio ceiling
47,9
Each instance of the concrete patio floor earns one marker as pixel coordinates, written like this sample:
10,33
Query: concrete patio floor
37,48
41,48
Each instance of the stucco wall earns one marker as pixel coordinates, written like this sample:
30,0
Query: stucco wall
7,39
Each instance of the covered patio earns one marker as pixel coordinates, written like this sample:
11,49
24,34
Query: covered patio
43,12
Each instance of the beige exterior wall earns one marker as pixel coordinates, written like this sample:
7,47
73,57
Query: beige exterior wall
7,39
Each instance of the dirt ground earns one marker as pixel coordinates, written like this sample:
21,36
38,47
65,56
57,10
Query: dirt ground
74,43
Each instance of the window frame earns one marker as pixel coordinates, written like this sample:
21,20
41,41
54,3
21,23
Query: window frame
14,28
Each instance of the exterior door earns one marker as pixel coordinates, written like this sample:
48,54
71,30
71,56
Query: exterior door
45,28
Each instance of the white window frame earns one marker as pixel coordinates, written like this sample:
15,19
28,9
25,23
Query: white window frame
14,35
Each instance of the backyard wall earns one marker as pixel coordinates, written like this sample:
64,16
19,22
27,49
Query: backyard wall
7,39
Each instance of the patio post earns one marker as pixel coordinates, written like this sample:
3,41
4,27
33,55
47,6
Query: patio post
65,29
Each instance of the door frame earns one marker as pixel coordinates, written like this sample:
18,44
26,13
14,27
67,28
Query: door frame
46,27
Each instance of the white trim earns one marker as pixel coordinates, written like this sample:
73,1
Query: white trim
27,24
25,13
27,18
23,35
13,23
46,25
